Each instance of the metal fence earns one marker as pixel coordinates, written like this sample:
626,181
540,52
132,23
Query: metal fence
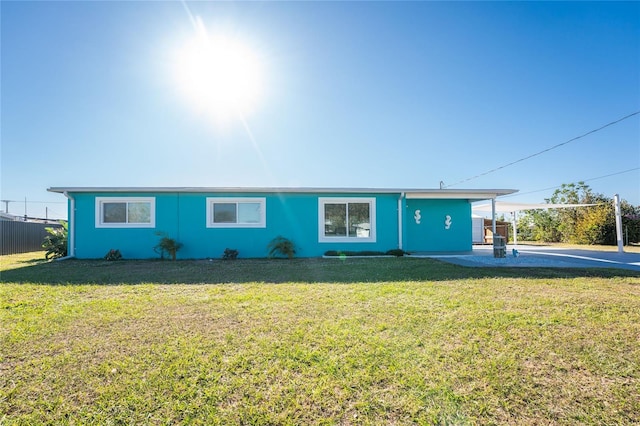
22,237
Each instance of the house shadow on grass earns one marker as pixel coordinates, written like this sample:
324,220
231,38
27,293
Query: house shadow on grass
313,270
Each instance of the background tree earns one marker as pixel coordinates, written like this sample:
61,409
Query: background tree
592,227
568,219
540,225
580,225
630,221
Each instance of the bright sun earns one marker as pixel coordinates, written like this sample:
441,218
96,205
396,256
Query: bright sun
218,75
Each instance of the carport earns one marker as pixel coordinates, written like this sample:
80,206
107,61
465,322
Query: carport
514,208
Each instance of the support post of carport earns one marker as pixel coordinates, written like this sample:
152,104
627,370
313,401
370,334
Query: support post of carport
616,203
493,217
515,228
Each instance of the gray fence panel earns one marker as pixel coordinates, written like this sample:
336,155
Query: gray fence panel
22,237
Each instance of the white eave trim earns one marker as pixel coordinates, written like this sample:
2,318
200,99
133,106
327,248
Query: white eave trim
471,194
460,194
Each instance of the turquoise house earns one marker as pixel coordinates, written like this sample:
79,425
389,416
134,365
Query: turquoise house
209,220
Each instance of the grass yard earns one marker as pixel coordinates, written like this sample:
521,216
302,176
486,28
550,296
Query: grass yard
313,341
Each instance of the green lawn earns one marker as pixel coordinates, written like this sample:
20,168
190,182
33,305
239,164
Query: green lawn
312,341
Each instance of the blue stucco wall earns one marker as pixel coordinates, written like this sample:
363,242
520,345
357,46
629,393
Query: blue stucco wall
182,216
133,243
430,234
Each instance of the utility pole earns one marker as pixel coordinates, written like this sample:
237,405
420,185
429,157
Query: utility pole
6,205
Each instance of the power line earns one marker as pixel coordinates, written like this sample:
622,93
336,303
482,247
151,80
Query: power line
546,150
584,180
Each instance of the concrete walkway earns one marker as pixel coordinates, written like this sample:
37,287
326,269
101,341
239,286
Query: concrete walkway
541,256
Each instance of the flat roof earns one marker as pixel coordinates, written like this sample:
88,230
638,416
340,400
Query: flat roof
411,193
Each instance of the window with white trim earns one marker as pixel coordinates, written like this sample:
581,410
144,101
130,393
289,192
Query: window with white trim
125,212
350,220
236,212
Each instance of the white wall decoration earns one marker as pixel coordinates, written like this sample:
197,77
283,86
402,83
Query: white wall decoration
447,222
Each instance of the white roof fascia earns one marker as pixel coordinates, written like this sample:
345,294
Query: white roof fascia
472,194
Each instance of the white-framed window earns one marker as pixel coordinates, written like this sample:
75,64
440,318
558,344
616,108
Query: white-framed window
236,212
125,212
348,220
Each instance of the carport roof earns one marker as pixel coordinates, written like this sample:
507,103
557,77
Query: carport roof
502,206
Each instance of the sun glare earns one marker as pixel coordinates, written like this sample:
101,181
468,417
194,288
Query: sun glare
219,76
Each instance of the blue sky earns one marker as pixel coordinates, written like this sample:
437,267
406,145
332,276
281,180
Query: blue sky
358,94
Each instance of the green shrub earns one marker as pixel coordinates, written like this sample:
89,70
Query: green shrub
56,242
353,253
396,252
230,254
281,246
113,255
340,253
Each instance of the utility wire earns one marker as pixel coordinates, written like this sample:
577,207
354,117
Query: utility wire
545,150
584,180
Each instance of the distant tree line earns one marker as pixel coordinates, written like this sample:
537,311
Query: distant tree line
580,225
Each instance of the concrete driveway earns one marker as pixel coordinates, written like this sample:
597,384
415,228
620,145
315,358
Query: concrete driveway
544,256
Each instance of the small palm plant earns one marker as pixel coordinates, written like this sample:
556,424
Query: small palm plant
167,245
281,246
